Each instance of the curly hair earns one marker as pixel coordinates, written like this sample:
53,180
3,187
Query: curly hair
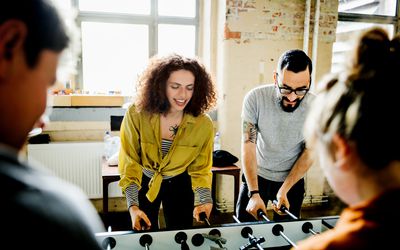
151,88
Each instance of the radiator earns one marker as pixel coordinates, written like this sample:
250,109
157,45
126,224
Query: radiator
75,162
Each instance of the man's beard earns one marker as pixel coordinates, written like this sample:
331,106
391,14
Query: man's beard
289,108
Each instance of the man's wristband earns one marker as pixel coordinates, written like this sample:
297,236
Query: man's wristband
250,194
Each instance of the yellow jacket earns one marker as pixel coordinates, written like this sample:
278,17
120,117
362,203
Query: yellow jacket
191,150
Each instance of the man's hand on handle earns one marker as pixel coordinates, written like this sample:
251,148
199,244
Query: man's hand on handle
255,204
282,200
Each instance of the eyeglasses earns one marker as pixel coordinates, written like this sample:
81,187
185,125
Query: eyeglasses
287,91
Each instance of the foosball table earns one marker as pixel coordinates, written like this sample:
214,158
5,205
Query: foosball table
248,235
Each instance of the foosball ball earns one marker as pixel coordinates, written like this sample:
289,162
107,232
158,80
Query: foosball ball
264,234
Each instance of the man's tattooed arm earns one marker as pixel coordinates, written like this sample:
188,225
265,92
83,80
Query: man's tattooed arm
249,132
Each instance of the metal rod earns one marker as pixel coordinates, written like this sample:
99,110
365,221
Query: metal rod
251,237
292,215
254,238
109,245
277,230
313,232
308,228
287,239
203,217
326,224
262,214
284,209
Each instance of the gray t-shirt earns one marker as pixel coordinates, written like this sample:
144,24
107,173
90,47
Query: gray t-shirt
280,137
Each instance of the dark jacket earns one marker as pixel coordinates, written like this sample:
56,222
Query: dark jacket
40,211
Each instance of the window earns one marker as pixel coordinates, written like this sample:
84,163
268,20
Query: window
176,38
119,36
356,16
112,55
141,7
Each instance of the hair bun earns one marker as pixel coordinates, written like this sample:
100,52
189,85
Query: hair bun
373,50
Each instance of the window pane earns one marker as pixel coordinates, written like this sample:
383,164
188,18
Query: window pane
113,55
346,36
67,64
116,6
179,39
64,5
376,7
180,8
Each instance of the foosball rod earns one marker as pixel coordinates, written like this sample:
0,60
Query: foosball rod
261,213
251,237
203,217
145,241
109,245
276,230
285,210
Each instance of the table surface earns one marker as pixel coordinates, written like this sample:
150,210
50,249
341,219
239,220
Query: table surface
109,170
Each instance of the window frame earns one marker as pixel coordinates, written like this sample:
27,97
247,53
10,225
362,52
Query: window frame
152,20
368,18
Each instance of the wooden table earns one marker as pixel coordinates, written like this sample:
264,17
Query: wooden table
228,170
110,174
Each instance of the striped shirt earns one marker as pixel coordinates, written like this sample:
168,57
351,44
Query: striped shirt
165,146
132,191
190,152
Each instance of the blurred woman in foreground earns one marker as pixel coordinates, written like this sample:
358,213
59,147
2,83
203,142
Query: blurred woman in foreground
353,129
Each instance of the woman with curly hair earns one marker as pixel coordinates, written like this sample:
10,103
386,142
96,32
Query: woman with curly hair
351,128
167,144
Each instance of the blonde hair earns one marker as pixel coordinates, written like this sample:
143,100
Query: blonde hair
357,103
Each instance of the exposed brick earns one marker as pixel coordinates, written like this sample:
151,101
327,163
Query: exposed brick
276,19
229,34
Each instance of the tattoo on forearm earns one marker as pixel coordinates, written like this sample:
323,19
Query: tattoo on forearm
174,130
249,132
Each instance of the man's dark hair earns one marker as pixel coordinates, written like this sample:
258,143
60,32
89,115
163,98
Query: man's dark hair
295,60
46,29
